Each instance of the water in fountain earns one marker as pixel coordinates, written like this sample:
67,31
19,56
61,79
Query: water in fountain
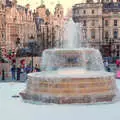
74,35
73,40
73,74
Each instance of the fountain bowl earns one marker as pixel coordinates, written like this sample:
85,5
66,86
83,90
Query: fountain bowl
71,76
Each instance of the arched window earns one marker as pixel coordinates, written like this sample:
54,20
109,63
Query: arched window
84,22
115,22
84,11
93,11
106,23
93,23
115,34
92,34
106,35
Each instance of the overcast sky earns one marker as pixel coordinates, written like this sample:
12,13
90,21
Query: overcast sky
50,3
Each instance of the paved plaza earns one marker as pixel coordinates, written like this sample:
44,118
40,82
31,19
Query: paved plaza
9,78
13,108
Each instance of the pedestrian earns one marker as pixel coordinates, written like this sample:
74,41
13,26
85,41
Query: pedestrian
108,69
18,72
28,69
3,74
106,64
13,70
37,68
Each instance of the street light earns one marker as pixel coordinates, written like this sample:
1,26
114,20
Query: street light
31,45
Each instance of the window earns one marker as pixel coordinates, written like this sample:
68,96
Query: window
106,35
92,34
115,22
84,23
118,47
115,34
84,11
93,11
118,54
93,23
106,22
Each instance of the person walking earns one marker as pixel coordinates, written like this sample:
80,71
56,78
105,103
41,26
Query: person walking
13,70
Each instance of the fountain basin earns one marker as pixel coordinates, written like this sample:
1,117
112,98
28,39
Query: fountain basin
61,87
84,58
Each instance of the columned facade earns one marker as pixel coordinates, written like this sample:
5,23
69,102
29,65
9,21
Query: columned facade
101,24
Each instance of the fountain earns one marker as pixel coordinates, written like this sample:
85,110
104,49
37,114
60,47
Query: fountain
73,74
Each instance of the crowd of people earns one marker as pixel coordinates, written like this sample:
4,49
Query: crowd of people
17,71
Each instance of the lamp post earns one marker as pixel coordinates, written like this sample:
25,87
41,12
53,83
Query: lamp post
47,43
32,58
32,45
99,38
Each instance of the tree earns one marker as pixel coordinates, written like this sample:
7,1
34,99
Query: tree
2,59
1,54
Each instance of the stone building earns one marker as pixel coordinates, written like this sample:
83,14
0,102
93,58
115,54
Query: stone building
58,23
44,13
49,26
2,23
100,21
19,24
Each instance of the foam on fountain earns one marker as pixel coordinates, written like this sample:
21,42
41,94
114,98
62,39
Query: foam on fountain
71,75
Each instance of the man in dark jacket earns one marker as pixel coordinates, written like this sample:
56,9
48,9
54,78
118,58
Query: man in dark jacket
18,72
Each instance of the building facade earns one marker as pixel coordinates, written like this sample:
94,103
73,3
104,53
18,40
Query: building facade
101,22
2,24
16,24
49,26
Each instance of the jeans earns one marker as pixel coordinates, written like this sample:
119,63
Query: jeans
13,75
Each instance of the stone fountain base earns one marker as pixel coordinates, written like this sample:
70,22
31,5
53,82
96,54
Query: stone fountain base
68,100
61,88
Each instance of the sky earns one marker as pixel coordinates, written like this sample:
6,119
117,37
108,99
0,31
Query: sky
50,3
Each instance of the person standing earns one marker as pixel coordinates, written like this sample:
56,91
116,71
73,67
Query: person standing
18,72
13,70
106,64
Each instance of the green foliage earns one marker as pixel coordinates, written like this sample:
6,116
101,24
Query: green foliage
1,57
10,52
1,53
